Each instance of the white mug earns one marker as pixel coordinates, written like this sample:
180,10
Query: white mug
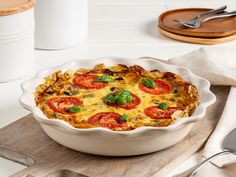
60,24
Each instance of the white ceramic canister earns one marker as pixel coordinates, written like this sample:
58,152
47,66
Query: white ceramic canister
60,24
16,39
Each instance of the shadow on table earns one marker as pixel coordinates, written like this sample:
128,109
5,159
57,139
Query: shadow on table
152,30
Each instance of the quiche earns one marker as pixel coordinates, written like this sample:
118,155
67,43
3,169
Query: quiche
117,97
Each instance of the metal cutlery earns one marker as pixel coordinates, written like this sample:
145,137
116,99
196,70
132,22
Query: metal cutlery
193,20
198,24
65,173
229,147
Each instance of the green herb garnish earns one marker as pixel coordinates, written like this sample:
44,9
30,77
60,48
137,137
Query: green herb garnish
110,98
122,97
163,106
124,118
71,91
175,91
121,100
104,78
112,89
75,109
129,98
148,82
67,93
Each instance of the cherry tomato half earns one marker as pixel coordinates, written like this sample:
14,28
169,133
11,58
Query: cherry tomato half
87,81
61,104
161,87
107,119
155,112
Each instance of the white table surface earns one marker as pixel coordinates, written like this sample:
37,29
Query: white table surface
125,28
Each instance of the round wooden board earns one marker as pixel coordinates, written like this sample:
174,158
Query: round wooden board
197,40
213,28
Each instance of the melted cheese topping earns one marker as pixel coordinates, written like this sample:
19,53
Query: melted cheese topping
184,94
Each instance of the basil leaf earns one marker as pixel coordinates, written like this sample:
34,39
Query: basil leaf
121,100
163,106
124,118
122,97
129,98
67,93
104,78
112,89
148,82
110,98
175,91
124,92
75,109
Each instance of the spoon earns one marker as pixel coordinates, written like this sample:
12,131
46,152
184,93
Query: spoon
65,173
229,147
198,24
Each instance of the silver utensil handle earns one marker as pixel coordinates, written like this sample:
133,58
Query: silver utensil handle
193,172
212,11
229,14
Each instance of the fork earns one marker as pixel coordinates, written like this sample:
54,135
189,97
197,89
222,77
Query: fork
198,24
193,20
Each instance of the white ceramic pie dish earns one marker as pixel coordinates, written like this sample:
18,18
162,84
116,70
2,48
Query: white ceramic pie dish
103,141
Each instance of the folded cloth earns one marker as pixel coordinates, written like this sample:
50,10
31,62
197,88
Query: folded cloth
225,125
219,67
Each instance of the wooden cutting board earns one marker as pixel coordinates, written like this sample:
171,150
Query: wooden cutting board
25,142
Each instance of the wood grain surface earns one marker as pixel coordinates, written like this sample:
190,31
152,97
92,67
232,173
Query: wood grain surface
213,28
197,40
25,142
9,7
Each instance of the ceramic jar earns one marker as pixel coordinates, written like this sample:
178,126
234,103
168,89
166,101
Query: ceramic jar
16,39
60,23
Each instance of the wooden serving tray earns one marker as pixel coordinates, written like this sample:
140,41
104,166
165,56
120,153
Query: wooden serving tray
211,29
197,40
25,142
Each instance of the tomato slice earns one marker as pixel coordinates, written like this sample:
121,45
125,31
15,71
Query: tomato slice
107,119
155,112
162,87
86,81
128,106
61,104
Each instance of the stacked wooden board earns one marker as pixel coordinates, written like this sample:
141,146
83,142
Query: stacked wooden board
211,32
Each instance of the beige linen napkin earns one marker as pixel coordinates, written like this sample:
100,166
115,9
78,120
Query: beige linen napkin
225,125
219,67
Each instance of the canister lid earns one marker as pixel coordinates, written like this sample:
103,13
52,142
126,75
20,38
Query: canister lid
8,7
